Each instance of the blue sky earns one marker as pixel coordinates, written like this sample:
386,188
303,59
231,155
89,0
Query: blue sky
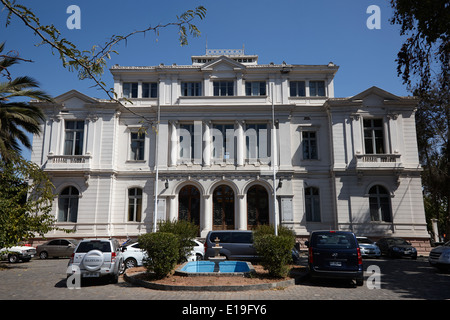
295,31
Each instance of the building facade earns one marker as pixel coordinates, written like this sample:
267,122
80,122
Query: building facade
228,143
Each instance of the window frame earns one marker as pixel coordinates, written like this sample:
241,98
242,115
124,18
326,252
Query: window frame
128,93
314,84
191,89
378,203
152,90
72,200
140,139
77,140
255,88
297,89
306,142
223,88
312,213
135,202
373,129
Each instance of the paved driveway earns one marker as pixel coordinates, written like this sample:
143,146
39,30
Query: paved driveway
399,279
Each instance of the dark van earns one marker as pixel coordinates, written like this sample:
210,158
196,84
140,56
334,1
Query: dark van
236,244
335,254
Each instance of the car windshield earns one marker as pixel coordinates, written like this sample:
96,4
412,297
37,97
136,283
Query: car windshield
365,241
87,246
396,241
334,241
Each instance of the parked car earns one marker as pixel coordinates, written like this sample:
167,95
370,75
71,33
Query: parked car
439,257
396,248
368,248
134,256
335,254
97,258
18,253
236,244
56,248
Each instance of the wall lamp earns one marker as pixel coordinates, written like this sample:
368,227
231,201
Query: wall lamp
166,184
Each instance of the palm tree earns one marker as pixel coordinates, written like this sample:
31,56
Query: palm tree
17,118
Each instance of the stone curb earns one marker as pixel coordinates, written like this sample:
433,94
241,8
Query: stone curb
156,286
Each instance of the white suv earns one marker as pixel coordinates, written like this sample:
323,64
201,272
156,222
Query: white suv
95,258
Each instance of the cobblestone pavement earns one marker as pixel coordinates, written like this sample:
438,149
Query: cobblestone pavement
400,279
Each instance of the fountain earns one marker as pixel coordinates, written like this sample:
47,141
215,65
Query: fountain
217,257
216,266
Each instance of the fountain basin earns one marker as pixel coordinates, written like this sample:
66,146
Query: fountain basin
206,268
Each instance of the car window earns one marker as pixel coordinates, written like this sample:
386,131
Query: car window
334,241
65,242
365,240
242,237
54,243
224,237
85,247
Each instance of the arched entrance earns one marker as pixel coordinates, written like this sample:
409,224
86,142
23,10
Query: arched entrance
189,204
223,208
257,207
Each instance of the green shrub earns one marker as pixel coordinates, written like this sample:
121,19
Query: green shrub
162,252
275,251
184,230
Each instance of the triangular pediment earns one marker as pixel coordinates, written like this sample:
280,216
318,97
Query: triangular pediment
223,63
375,92
74,99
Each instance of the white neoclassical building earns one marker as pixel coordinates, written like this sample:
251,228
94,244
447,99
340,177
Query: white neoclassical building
228,143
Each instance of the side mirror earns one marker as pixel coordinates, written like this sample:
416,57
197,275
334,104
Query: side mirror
307,243
124,249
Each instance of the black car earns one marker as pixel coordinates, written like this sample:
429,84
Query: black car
335,254
396,248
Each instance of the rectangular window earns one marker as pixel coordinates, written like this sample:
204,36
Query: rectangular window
186,141
309,145
137,146
134,204
191,89
312,204
223,142
373,136
257,141
223,88
149,90
130,90
255,88
74,135
297,89
317,88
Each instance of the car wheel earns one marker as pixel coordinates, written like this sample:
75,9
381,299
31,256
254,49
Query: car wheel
130,263
359,282
199,256
13,258
43,255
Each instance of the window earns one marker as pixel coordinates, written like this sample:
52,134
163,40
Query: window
317,88
312,204
223,88
191,89
255,88
380,204
297,89
74,135
373,136
130,89
223,142
186,139
137,146
134,204
309,145
257,141
68,205
149,90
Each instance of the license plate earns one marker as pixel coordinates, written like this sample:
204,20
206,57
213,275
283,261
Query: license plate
335,264
407,252
91,275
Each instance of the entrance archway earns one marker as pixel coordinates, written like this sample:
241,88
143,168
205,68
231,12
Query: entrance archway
223,208
257,207
189,204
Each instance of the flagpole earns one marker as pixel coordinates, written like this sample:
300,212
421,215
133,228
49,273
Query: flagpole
274,136
155,210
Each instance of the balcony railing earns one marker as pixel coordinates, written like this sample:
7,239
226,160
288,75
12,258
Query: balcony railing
370,161
68,162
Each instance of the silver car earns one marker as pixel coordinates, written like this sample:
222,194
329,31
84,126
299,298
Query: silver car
94,258
56,248
439,257
368,248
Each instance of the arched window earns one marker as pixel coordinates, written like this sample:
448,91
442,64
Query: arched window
257,207
68,205
223,208
380,204
189,204
312,204
134,204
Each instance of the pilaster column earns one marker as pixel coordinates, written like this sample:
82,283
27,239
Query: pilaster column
173,144
207,147
242,212
206,217
240,144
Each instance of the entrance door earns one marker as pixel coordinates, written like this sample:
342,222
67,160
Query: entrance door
223,208
189,204
257,207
